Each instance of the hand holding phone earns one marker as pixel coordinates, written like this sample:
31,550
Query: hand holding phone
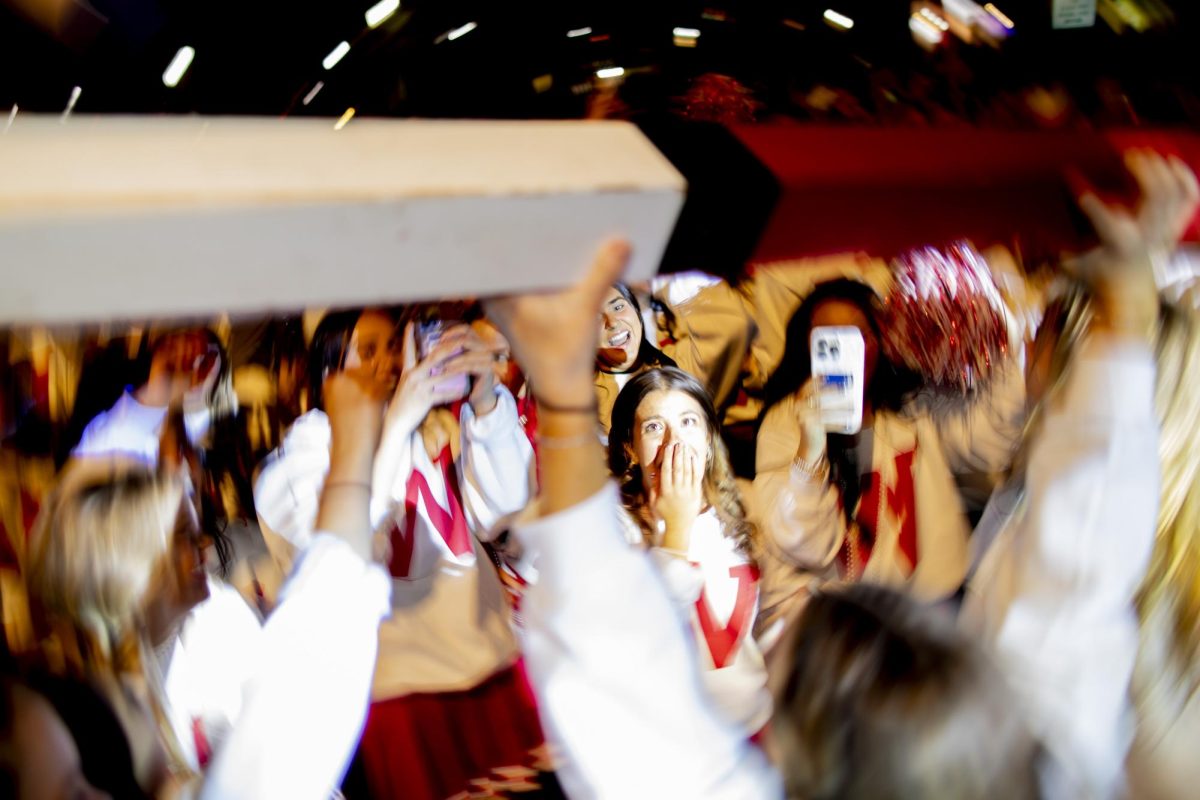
838,358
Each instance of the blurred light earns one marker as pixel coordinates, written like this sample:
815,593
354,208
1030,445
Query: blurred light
336,55
603,37
610,72
12,115
178,66
346,117
1000,16
715,14
838,20
71,101
308,98
936,20
577,32
686,37
377,13
543,83
796,26
456,33
924,30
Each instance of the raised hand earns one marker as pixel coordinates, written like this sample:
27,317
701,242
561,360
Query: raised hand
812,429
553,334
553,337
354,403
1121,271
436,380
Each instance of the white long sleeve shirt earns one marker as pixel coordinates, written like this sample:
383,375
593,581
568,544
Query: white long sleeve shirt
132,429
304,709
451,625
1054,594
716,591
616,674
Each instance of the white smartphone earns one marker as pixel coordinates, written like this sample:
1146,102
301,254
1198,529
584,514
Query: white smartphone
838,357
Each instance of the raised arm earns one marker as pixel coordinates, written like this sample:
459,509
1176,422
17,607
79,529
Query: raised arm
617,684
798,507
1057,601
305,707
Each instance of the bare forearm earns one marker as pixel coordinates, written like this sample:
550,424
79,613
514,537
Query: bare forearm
345,499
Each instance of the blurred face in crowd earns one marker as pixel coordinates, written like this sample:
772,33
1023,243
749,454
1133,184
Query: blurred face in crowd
43,752
666,417
185,358
620,333
508,374
845,313
375,345
180,582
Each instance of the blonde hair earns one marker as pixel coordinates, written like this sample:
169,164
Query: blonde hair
101,532
104,530
1172,581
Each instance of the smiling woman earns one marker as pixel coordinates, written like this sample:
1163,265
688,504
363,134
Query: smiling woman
622,350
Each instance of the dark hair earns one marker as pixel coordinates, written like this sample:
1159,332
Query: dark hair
891,384
648,355
885,698
720,490
327,353
889,387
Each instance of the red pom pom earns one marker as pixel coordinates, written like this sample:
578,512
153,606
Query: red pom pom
944,317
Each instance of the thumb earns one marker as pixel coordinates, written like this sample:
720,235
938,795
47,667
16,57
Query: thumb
607,267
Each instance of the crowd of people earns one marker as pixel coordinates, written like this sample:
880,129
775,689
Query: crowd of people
508,551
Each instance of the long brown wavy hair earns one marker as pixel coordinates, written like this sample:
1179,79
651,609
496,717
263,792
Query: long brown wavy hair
720,489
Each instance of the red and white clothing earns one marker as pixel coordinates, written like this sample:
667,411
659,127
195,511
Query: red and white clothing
450,631
450,628
615,673
716,589
910,527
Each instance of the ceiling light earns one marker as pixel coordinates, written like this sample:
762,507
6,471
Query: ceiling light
838,20
577,32
687,33
456,33
336,55
377,13
1000,16
308,98
179,65
610,72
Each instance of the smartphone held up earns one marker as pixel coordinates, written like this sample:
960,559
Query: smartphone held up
838,357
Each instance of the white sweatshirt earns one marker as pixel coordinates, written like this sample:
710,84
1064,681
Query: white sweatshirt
716,591
450,627
616,674
305,706
1054,593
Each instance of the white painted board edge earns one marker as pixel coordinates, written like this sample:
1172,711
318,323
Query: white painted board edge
126,217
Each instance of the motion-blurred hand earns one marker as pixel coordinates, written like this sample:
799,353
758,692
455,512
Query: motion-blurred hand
553,334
